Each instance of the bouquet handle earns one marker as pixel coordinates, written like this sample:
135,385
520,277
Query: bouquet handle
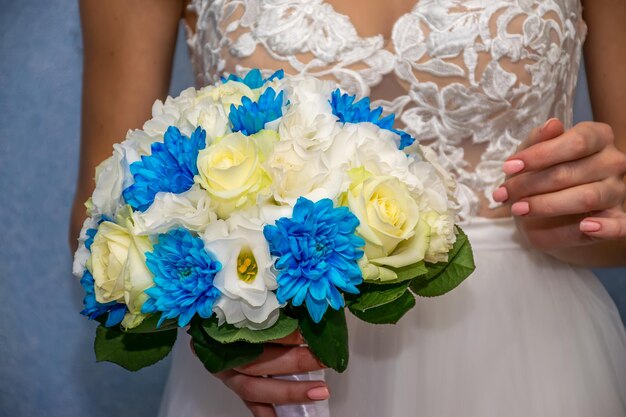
312,409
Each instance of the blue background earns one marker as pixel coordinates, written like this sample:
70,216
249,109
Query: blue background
47,365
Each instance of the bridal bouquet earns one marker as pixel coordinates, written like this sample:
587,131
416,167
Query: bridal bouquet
246,210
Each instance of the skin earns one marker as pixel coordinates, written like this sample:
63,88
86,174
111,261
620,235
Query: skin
565,189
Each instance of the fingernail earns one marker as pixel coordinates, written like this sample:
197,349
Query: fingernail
513,166
590,226
318,394
520,208
547,123
500,195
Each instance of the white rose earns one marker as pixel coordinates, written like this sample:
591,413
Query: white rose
113,174
140,141
311,91
231,170
442,236
366,145
118,264
175,111
247,278
164,115
191,210
213,119
389,223
312,177
308,134
110,178
82,253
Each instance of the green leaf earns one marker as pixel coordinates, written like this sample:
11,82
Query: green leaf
132,351
149,325
388,313
410,271
373,296
227,333
328,339
406,273
443,277
216,356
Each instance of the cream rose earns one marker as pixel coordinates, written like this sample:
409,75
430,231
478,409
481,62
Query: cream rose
228,93
118,264
442,236
231,170
389,223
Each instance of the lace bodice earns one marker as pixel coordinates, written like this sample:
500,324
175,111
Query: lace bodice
475,75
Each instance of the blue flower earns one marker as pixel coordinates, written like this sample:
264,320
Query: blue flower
171,168
348,111
254,79
91,234
183,277
318,253
250,117
94,309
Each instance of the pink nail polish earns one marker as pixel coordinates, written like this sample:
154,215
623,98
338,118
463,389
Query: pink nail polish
500,195
513,166
520,208
318,394
590,226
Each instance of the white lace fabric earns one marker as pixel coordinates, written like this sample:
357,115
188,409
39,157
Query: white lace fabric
477,75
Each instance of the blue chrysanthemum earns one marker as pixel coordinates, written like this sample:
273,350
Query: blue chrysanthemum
171,168
348,111
318,253
91,234
183,277
250,117
254,78
94,309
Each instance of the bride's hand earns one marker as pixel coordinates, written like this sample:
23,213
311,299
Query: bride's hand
567,188
284,356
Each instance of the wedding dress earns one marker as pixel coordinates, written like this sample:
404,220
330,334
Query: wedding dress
525,335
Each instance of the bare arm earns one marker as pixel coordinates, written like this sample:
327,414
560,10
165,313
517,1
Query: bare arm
128,52
605,60
567,189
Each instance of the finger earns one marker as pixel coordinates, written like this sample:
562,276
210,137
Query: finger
261,410
550,130
585,198
559,177
275,391
576,143
553,128
282,360
294,338
609,228
564,232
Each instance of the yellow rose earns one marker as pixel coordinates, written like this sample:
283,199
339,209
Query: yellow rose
228,93
230,170
389,223
118,264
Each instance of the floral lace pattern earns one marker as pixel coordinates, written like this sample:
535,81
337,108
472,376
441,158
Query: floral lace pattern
477,72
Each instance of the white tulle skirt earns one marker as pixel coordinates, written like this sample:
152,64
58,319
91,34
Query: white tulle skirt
524,336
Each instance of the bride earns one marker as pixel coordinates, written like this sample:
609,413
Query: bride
488,86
